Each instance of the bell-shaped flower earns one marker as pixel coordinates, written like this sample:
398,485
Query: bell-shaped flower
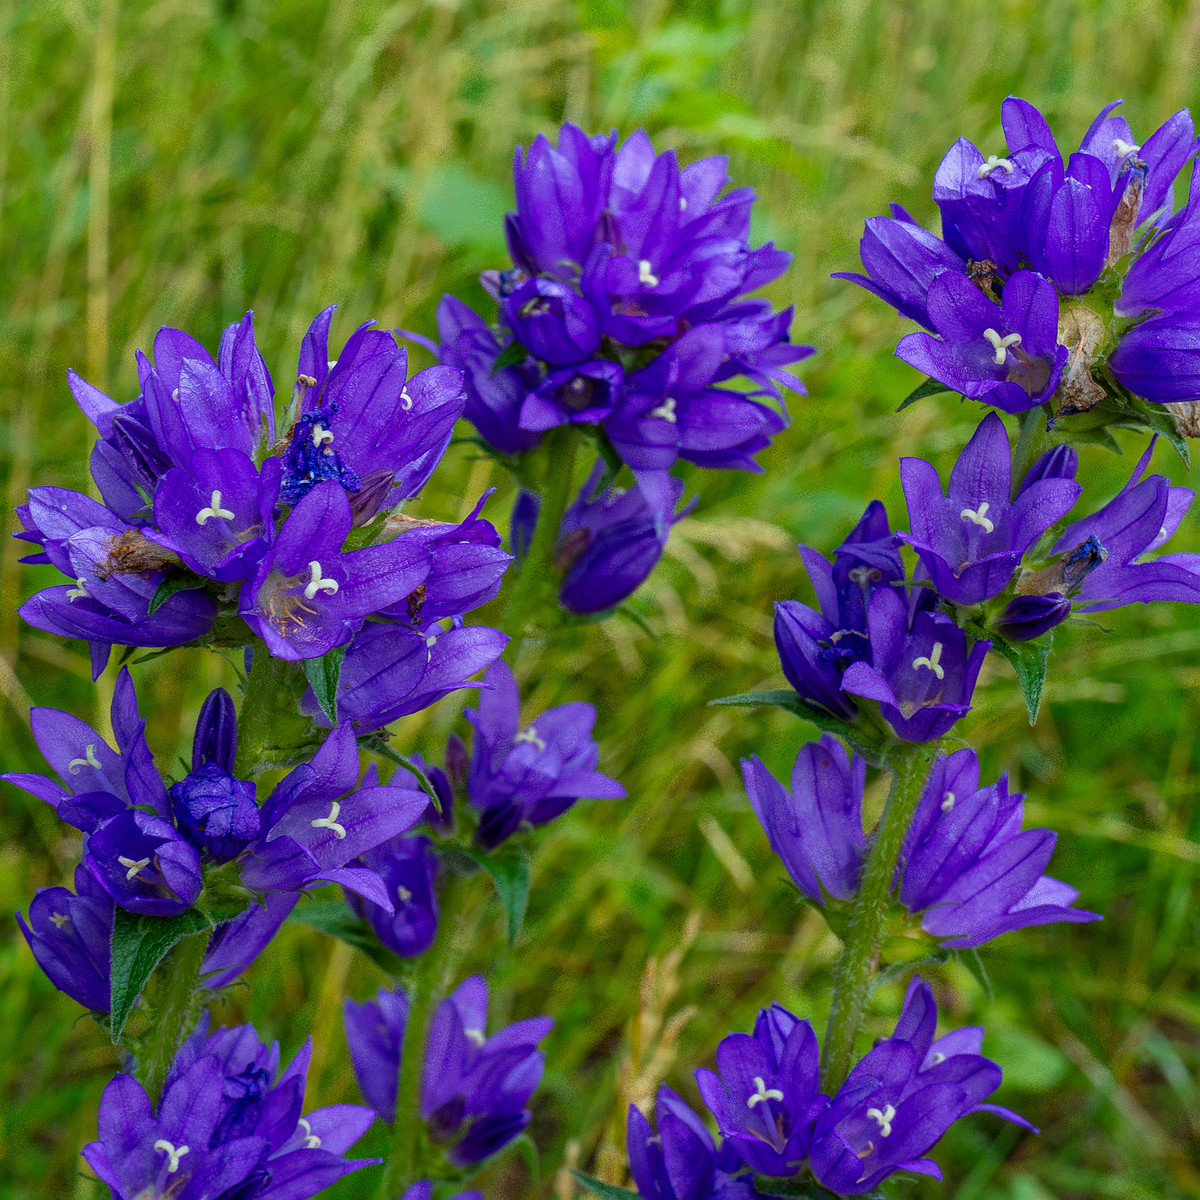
582,394
375,1035
554,323
409,869
900,1098
923,677
766,1095
971,540
228,1124
533,774
1005,354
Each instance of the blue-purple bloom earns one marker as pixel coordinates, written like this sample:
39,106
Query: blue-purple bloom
533,774
474,1088
409,869
966,869
228,1124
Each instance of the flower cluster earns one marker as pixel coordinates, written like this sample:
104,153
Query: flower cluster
227,1124
213,527
774,1120
966,871
474,1088
1065,282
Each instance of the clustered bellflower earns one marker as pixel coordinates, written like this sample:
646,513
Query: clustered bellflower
212,513
1053,281
228,1124
893,1108
474,1088
967,872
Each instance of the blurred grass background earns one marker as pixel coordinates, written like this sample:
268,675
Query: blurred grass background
180,161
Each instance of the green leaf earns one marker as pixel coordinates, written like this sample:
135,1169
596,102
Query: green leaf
527,1149
512,355
606,1191
173,581
971,960
930,387
509,869
339,920
1028,660
866,740
378,746
139,943
323,674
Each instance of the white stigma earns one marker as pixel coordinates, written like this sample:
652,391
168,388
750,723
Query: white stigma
77,591
530,735
936,1058
883,1118
979,517
665,411
317,584
1124,149
948,803
321,435
645,275
132,866
762,1093
683,204
89,760
214,509
331,821
933,662
173,1153
404,894
1001,344
311,1141
405,399
475,1036
994,161
60,919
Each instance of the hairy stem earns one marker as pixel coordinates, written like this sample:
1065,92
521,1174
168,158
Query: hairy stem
864,935
535,581
1031,445
271,730
173,1005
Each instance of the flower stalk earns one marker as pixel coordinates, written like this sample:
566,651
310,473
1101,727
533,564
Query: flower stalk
864,934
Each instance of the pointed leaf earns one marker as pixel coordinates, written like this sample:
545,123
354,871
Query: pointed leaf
323,674
509,868
173,581
970,958
512,355
377,745
339,920
606,1191
1028,660
866,740
930,387
139,943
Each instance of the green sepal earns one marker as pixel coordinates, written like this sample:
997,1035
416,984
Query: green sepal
139,944
862,737
526,1147
801,1189
323,674
930,387
970,958
1027,659
173,581
606,1191
508,868
339,920
511,356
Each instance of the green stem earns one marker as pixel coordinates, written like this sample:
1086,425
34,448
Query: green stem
535,581
1031,445
271,730
864,935
173,1009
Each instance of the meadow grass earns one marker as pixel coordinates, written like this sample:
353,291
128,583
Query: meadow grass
180,161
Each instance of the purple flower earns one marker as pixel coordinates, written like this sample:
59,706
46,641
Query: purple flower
680,1161
216,812
534,774
766,1095
423,1190
1159,359
609,542
923,677
583,394
966,870
1027,617
1100,568
1004,354
971,541
228,1124
474,1089
552,322
144,863
409,868
901,1098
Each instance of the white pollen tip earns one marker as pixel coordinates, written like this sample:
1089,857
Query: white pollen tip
948,803
317,584
993,163
933,661
475,1036
645,274
1001,344
331,822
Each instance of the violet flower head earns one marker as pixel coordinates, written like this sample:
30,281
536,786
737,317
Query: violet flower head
900,1098
375,1036
533,774
680,1160
923,677
766,1095
228,1123
971,540
475,1089
409,868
